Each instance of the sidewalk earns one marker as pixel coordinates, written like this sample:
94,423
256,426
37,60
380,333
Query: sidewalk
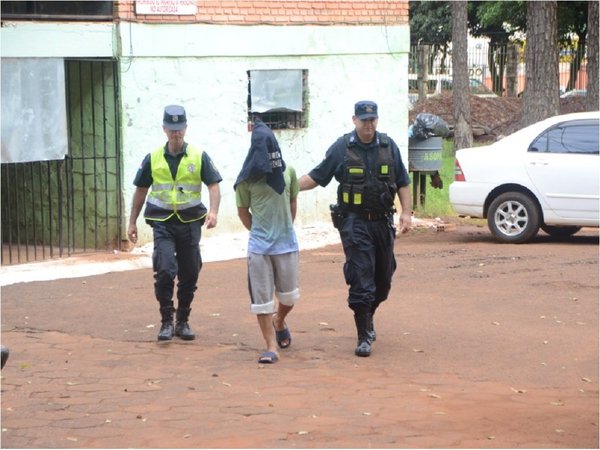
214,248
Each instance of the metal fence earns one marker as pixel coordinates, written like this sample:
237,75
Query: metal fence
59,208
491,65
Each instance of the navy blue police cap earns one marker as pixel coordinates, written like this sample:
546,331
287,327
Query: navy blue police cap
365,109
174,118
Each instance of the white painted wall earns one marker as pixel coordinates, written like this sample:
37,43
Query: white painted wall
57,39
345,64
203,68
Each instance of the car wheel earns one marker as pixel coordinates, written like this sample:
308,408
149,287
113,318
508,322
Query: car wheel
513,217
560,232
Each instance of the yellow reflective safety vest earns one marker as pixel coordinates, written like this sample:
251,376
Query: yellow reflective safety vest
180,196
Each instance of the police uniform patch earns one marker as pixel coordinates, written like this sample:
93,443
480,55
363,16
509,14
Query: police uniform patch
191,168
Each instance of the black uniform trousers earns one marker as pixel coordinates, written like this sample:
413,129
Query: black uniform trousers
370,262
176,253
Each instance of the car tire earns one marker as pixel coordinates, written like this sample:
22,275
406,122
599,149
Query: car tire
560,232
514,217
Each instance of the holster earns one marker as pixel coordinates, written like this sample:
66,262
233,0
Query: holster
336,216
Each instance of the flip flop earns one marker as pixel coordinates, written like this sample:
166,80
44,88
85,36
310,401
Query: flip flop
283,335
268,358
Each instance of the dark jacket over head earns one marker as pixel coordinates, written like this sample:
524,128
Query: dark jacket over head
264,158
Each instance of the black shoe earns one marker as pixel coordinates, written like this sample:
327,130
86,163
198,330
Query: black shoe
183,330
363,348
166,331
5,353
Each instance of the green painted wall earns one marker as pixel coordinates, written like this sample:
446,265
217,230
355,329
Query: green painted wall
72,204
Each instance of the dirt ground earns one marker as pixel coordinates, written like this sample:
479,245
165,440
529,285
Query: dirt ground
491,117
480,345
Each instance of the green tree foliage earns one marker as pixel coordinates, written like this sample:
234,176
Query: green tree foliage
572,20
501,22
430,23
497,20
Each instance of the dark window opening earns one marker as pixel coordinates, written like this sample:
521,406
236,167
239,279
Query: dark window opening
60,10
579,136
280,97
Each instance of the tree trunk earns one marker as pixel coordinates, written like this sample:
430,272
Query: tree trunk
461,96
592,57
542,89
512,63
422,70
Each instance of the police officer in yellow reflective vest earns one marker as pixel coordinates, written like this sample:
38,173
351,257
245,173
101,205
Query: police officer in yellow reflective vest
175,211
368,166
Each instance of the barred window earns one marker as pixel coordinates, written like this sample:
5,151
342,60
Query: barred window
280,96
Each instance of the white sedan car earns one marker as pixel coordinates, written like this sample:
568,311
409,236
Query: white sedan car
545,175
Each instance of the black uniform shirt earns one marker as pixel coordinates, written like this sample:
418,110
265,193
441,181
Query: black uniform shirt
333,165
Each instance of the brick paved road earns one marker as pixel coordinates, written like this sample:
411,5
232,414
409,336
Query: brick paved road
481,345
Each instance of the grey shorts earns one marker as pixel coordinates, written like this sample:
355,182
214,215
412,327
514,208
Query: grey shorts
271,276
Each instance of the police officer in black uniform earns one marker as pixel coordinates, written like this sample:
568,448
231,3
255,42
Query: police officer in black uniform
176,213
368,166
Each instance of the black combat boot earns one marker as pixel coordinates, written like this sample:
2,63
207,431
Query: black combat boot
372,333
182,328
363,347
166,329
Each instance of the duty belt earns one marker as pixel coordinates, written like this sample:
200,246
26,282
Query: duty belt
370,216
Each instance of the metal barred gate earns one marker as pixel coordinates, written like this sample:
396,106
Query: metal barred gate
54,209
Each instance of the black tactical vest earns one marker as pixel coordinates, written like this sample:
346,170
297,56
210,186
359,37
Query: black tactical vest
368,189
